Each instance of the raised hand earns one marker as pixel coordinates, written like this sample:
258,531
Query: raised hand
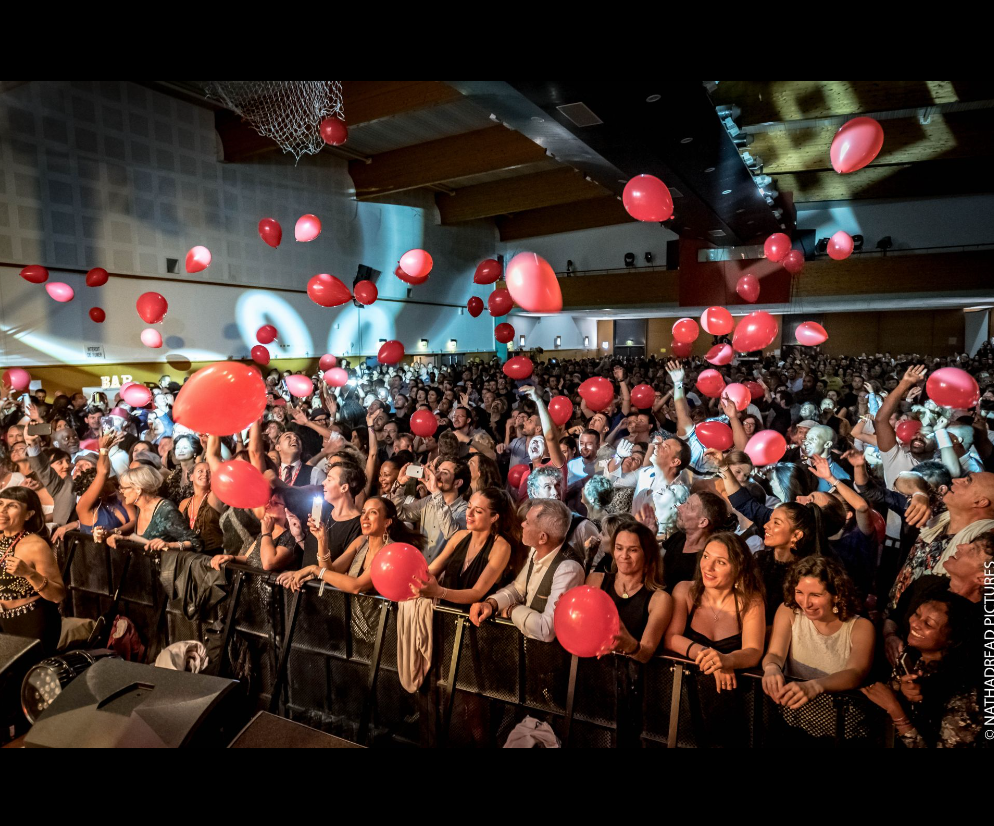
914,374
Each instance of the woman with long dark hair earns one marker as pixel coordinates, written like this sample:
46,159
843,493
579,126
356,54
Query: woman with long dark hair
31,586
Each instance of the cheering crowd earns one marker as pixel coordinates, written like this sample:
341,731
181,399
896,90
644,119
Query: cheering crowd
854,562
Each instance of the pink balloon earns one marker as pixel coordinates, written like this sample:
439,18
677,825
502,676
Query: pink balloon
519,367
643,396
532,284
271,232
475,306
333,131
396,568
365,292
737,394
336,377
152,307
766,447
260,355
710,383
777,246
221,398
686,330
646,198
416,263
97,277
681,349
717,321
747,288
60,291
328,291
151,338
240,484
504,333
907,430
560,410
97,315
137,395
390,352
586,621
856,144
715,435
307,228
423,423
198,259
299,386
488,271
35,273
326,362
266,334
409,279
840,245
500,303
16,378
720,355
597,392
754,332
810,334
793,262
952,387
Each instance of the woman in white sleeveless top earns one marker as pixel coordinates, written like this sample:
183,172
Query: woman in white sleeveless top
817,637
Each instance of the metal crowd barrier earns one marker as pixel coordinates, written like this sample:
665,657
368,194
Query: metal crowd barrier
329,660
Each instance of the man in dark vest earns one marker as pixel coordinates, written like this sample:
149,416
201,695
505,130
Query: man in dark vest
551,570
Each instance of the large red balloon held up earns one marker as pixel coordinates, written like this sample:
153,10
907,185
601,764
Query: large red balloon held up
35,273
586,621
519,367
597,392
423,423
952,387
328,291
266,334
646,198
737,394
221,399
97,277
754,332
336,377
17,378
152,307
390,352
239,484
720,355
766,447
756,390
396,568
686,330
840,245
488,272
777,246
856,144
714,434
299,386
747,288
366,292
271,232
717,321
560,410
907,430
504,333
500,303
643,396
532,283
334,132
475,306
810,334
710,383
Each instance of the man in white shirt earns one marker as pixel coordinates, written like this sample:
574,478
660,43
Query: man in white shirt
551,570
582,467
293,471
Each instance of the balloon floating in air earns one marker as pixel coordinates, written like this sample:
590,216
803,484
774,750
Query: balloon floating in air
366,292
776,246
416,263
152,307
754,332
717,321
475,306
390,352
646,198
336,377
532,284
96,277
747,288
221,399
487,272
597,392
504,333
266,334
260,355
840,245
60,291
326,362
810,334
720,355
151,338
334,132
271,232
198,259
299,386
686,330
328,291
36,274
856,144
500,303
519,367
97,315
307,228
793,262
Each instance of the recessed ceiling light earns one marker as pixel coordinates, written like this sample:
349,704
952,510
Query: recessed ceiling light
726,192
709,169
686,140
622,181
739,211
652,98
538,119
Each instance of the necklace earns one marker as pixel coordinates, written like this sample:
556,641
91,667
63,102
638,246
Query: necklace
712,609
194,511
624,590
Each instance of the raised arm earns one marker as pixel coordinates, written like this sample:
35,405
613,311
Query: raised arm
626,394
684,424
739,437
886,438
821,469
549,429
91,497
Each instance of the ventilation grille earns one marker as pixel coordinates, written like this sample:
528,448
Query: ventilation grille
580,114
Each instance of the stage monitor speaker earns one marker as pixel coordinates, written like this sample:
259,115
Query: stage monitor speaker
808,240
119,704
17,655
267,731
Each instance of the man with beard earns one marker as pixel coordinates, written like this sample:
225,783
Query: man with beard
702,515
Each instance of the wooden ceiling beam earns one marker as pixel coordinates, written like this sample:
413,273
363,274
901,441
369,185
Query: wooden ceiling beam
596,212
438,161
526,192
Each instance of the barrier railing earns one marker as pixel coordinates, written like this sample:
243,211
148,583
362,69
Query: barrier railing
329,659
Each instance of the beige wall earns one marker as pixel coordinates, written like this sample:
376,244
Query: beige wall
937,333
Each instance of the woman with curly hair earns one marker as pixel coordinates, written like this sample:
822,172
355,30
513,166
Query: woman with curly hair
817,636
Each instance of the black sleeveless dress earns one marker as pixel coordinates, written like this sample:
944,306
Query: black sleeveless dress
455,578
634,611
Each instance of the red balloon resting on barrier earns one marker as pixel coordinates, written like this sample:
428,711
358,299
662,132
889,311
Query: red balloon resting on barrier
586,621
396,568
240,484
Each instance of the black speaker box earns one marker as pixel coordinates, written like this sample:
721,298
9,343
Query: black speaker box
267,731
17,655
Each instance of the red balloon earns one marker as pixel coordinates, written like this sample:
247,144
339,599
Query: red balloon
500,303
97,315
879,525
840,245
717,321
686,331
336,377
327,291
260,355
646,198
747,288
396,568
516,474
810,334
307,228
60,291
777,246
597,392
366,292
488,272
504,333
96,277
710,383
334,132
137,395
856,144
198,259
409,279
793,262
240,484
952,387
756,390
416,263
266,334
681,349
586,621
519,367
271,232
754,332
906,430
221,399
152,307
738,394
299,386
720,354
151,338
643,396
766,447
36,274
390,352
532,284
560,410
17,378
716,435
326,362
423,423
475,306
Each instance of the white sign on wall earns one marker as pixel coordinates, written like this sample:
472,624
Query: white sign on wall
95,352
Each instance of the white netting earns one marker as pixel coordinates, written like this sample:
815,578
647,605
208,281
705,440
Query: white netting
288,111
